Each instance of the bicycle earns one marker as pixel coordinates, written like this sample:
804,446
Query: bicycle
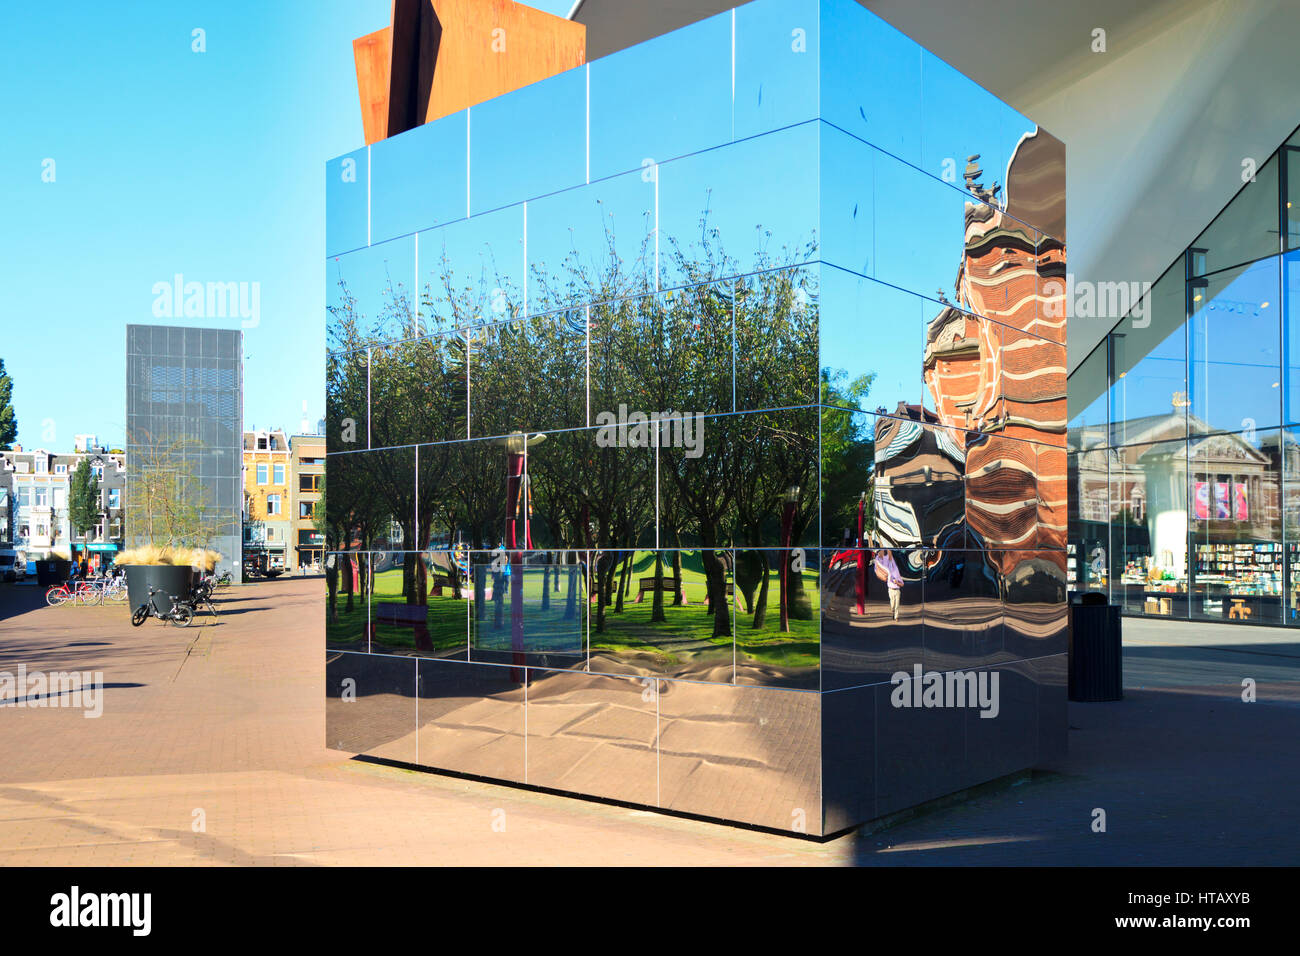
115,591
178,614
224,579
113,586
201,596
79,592
88,593
57,594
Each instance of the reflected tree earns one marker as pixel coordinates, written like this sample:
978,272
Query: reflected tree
480,368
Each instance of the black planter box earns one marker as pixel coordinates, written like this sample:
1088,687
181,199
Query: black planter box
169,578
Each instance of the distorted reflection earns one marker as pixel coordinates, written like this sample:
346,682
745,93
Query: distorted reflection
962,509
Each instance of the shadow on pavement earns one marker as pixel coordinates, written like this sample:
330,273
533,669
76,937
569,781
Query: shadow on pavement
1186,771
37,697
17,599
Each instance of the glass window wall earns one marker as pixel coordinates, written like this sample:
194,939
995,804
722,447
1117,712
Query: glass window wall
1183,480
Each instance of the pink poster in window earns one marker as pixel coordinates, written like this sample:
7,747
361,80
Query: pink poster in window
1241,511
1202,504
1221,492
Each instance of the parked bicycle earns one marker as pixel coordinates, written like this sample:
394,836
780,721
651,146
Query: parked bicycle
223,579
115,590
178,612
57,594
88,593
201,595
79,592
104,590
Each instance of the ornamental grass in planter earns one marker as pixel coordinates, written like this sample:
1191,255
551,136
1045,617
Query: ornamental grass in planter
172,570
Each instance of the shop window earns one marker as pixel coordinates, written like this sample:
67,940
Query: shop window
1236,522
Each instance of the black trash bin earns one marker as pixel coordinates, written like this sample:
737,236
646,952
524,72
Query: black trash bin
53,571
1096,656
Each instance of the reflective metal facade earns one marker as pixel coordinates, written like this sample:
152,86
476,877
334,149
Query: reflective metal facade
646,381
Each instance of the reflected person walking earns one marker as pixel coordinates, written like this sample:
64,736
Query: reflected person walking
887,571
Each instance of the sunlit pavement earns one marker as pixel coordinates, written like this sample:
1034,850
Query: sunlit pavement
210,751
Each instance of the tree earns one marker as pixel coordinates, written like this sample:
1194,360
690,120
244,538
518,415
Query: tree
166,504
83,499
330,534
693,342
847,455
319,521
8,421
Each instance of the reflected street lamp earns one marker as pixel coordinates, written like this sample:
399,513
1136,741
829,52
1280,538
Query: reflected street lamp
516,445
860,578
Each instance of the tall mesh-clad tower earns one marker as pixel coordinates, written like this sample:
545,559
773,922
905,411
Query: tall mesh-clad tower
185,412
696,429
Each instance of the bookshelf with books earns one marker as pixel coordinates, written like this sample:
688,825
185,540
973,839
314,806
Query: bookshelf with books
1250,568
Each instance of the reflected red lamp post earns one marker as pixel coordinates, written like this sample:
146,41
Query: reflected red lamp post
517,445
860,581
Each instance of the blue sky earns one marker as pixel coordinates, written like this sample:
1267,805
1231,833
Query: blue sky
165,162
211,166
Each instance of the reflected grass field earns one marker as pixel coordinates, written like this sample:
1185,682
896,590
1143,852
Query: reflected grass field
446,619
686,628
689,627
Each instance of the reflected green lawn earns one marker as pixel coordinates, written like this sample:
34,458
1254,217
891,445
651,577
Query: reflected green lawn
446,619
690,626
559,627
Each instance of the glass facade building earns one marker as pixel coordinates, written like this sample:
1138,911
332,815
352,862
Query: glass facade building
679,401
1183,463
185,417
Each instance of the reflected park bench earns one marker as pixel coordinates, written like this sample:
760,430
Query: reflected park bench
414,616
669,585
439,581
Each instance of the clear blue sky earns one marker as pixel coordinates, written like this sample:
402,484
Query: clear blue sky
168,161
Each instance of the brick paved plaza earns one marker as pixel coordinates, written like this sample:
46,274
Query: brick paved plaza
223,724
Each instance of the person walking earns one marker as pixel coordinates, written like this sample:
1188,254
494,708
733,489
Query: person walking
887,570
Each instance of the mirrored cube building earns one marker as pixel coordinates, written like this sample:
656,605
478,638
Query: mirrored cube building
696,425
